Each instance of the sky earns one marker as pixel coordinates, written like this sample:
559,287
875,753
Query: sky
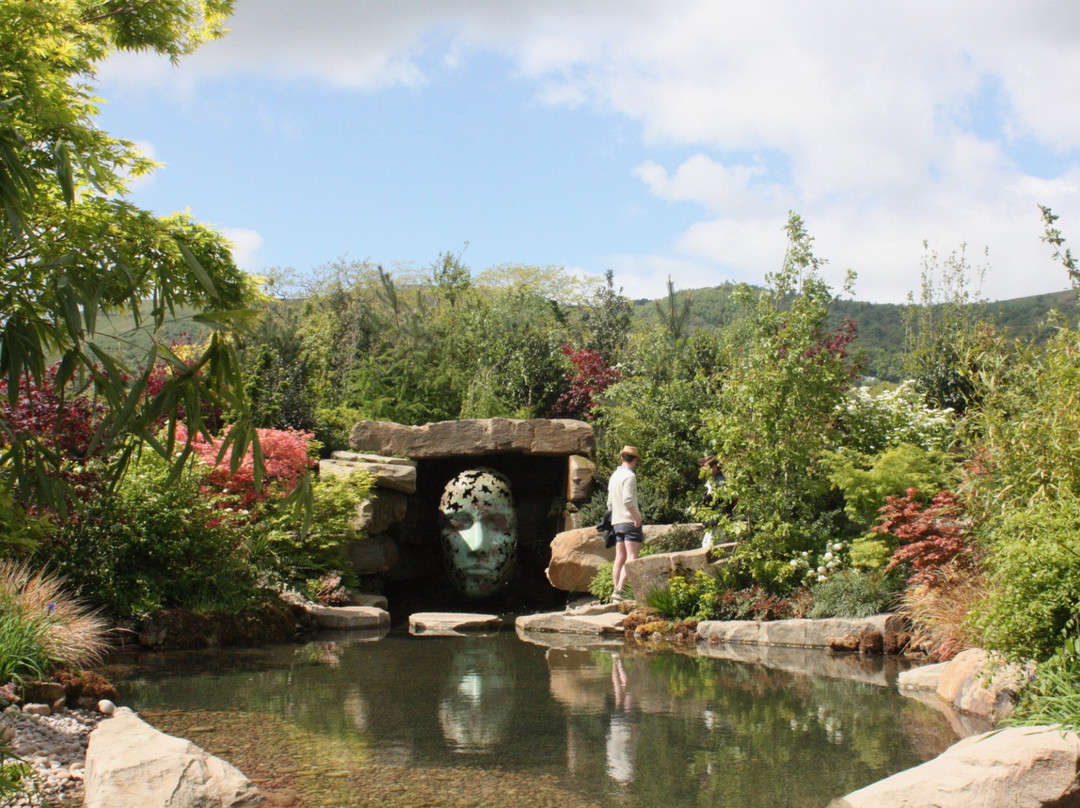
658,139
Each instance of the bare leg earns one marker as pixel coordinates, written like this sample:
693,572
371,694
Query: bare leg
630,550
617,570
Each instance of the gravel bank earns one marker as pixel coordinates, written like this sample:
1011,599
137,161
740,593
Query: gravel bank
55,745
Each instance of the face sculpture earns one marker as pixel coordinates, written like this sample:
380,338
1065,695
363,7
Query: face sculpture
479,531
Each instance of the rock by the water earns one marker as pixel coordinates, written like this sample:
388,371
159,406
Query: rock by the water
129,764
1020,767
975,682
799,632
106,707
452,623
923,678
608,621
348,617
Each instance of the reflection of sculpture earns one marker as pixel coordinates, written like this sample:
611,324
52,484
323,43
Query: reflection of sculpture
479,531
475,707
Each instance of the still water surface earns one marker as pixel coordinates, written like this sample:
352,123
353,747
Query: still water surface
496,720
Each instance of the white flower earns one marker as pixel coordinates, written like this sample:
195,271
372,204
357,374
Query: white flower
794,562
838,546
822,578
821,570
827,556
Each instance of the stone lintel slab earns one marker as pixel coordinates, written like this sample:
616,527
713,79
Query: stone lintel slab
474,437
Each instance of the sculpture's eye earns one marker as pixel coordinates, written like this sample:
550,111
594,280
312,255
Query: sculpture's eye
499,523
460,521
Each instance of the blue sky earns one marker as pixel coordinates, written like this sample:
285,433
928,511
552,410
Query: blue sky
654,139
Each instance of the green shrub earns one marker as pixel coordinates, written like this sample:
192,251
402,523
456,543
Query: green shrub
681,599
156,543
602,586
889,473
298,555
1034,567
870,553
853,594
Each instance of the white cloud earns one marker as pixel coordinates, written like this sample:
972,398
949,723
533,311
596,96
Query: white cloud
857,115
245,247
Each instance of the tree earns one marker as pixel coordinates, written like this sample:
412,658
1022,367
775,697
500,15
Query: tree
72,248
940,329
776,412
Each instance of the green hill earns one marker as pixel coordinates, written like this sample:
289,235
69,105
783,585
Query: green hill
880,325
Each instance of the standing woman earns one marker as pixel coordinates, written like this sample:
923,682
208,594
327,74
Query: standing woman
625,516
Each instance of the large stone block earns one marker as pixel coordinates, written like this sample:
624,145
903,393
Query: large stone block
394,476
129,764
581,472
653,572
475,437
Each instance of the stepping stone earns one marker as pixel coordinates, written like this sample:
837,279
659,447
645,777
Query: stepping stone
452,624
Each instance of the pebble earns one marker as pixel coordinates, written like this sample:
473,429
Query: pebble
55,745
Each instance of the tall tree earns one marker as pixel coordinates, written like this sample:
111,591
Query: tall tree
73,248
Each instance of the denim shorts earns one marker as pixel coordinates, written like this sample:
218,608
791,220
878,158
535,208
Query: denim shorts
625,531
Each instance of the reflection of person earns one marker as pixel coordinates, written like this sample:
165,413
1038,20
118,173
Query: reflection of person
625,516
622,734
479,531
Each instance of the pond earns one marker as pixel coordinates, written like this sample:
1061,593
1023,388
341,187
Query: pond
495,720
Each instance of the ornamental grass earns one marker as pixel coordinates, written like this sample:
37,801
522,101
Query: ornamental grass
42,626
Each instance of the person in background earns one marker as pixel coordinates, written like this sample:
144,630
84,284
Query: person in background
625,516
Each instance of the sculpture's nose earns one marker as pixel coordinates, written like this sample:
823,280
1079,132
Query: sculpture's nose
475,537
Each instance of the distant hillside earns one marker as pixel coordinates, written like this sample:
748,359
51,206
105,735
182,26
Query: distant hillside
880,325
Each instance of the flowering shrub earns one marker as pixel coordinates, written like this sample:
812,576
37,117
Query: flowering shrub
874,422
930,538
286,457
819,567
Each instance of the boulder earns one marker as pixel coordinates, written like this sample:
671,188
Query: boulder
576,556
474,437
977,683
129,764
1022,767
450,624
654,571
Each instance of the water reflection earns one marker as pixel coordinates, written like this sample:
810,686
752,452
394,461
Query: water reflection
477,700
610,725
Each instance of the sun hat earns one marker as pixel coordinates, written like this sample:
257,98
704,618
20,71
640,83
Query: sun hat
630,450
